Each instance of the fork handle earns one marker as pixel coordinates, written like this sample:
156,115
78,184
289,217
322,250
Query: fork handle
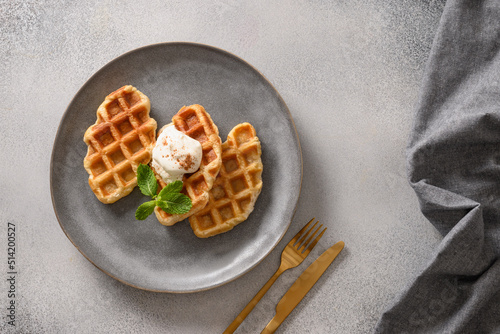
244,313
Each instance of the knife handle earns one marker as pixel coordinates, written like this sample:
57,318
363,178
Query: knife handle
278,318
246,311
273,325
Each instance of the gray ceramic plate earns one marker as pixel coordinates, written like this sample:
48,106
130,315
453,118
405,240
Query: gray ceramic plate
146,254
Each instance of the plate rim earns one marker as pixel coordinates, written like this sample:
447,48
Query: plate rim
167,44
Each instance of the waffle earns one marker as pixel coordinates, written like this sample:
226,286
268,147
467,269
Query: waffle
195,122
237,186
122,138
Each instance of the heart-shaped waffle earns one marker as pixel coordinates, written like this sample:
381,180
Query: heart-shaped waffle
196,123
237,186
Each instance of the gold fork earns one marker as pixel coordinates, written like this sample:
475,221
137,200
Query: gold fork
294,253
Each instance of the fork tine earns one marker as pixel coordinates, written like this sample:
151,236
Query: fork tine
301,240
304,245
299,234
315,241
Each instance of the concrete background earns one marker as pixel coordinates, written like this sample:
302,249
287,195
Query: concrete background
349,72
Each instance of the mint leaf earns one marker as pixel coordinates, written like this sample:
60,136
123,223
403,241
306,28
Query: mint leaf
174,203
146,180
169,199
173,187
144,210
163,205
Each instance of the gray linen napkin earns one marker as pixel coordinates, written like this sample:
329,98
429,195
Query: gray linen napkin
454,168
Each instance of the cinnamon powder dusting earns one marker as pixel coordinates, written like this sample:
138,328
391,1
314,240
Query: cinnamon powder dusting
187,163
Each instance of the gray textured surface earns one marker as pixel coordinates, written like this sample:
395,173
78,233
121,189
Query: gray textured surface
350,74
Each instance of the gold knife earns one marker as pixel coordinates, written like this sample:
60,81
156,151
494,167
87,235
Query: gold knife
302,286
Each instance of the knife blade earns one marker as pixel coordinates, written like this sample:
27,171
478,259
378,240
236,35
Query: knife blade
302,286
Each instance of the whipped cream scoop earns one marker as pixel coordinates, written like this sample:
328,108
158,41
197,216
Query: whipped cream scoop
175,154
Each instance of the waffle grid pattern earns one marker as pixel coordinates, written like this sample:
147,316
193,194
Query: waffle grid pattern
122,138
237,186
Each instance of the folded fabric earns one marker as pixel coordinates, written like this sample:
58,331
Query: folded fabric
454,168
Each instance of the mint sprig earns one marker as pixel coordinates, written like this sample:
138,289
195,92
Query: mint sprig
146,180
169,199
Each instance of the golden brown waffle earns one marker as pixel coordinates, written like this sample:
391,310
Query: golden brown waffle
122,137
195,122
237,186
